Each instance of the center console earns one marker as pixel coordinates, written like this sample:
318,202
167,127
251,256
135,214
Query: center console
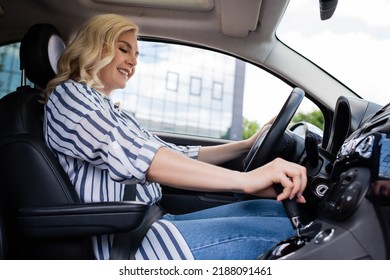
346,225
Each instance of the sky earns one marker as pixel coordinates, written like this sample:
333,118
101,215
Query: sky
354,45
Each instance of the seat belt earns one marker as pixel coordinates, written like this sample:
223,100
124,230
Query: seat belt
126,244
130,192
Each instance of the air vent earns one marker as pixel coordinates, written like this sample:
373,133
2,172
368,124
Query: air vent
370,127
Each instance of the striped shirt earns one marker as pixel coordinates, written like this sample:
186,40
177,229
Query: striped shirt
103,148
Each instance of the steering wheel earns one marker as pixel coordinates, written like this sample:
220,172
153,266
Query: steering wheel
263,150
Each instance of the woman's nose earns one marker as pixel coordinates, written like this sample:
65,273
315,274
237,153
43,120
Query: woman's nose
132,60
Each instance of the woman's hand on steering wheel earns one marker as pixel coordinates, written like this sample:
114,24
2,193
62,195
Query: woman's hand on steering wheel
252,140
263,150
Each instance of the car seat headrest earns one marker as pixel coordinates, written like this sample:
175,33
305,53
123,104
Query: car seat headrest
40,50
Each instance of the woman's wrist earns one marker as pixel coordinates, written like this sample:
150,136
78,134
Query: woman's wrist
248,143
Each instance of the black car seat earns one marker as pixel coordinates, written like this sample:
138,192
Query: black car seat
41,214
3,241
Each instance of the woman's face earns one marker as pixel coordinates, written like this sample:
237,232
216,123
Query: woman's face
115,74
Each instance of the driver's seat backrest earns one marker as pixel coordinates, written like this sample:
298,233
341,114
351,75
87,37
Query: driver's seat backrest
3,240
31,175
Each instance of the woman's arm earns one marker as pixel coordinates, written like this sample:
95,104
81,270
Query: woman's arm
222,153
225,152
173,169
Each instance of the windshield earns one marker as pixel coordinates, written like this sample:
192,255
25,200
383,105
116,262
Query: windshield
353,45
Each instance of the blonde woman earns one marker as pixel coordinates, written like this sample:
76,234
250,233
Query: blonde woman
102,148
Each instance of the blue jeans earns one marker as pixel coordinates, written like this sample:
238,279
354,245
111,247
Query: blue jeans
242,230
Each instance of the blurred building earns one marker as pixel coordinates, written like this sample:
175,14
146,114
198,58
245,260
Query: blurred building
185,90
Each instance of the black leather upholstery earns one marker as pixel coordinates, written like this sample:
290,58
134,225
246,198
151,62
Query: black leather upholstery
39,53
3,239
41,214
29,171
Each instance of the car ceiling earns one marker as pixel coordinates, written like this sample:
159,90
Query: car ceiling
246,31
225,24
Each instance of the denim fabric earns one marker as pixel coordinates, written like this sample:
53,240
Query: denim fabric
242,230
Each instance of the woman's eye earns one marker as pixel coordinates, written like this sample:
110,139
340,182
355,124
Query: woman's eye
123,50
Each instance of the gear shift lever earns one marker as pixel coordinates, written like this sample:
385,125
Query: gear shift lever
292,210
304,233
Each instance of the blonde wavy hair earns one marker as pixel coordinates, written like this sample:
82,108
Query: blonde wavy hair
91,50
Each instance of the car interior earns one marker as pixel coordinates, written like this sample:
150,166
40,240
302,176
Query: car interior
41,215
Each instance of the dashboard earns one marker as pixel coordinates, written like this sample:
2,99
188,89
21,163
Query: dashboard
352,217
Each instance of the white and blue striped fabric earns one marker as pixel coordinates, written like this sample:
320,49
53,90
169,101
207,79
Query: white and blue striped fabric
102,148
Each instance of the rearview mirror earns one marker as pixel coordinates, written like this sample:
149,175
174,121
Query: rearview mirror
327,8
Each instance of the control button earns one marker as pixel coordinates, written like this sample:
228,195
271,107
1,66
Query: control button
321,189
350,198
324,236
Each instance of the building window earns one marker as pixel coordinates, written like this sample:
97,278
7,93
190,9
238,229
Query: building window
195,86
217,90
172,81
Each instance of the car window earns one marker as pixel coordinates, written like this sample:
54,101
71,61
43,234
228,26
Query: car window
187,90
194,91
180,89
10,74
